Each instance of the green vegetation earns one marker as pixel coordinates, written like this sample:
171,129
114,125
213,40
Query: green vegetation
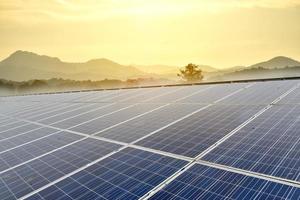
191,73
56,85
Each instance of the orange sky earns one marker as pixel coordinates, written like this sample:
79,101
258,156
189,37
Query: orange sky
221,33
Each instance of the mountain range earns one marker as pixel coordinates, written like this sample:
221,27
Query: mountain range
24,65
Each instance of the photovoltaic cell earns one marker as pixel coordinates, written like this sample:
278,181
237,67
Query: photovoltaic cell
196,133
12,126
292,98
31,150
213,94
26,178
21,139
202,182
128,174
54,112
63,116
260,93
180,92
107,121
270,144
13,131
139,127
100,111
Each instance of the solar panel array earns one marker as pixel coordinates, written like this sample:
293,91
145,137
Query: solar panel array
219,141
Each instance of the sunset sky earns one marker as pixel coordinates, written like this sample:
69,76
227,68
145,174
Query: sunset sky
220,33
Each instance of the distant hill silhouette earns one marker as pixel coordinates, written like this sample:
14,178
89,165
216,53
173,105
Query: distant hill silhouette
277,62
23,65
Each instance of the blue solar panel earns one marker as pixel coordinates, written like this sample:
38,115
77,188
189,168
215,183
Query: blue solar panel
141,126
97,125
33,175
100,111
31,150
24,137
292,98
213,94
128,174
63,116
195,134
23,128
260,93
270,144
50,163
202,182
10,126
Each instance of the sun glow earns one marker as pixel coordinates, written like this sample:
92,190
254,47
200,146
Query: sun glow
216,32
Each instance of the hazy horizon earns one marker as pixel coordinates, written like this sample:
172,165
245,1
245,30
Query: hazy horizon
216,33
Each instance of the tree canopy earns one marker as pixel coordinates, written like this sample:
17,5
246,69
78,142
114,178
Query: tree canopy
191,73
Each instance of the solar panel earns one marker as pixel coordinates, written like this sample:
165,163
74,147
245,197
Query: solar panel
217,141
127,112
34,149
39,172
128,174
25,137
270,144
195,134
144,125
203,182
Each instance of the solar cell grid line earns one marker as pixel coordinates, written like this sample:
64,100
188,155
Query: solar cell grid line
72,115
223,139
6,121
11,107
154,94
19,131
262,93
215,93
12,123
293,98
96,95
54,111
127,174
44,110
26,138
273,150
16,128
17,156
100,123
35,106
103,123
136,128
195,134
126,95
173,139
204,182
42,107
71,123
65,115
181,93
42,171
130,139
16,110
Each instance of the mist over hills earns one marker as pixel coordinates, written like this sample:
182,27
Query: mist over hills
24,65
277,62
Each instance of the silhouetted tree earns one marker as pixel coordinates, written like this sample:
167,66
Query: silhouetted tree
191,73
